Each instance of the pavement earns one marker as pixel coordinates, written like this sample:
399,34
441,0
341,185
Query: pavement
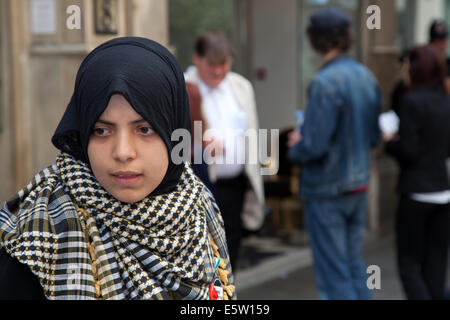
272,269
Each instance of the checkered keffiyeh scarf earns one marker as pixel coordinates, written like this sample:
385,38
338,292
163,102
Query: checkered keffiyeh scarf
82,243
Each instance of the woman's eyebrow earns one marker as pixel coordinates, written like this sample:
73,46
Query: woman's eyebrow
113,124
138,121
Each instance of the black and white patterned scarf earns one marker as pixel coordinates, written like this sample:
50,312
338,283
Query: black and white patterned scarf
82,243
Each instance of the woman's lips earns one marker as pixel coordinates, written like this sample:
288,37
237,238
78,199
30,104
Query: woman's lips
126,179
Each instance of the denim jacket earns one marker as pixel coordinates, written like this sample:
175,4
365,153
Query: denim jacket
340,127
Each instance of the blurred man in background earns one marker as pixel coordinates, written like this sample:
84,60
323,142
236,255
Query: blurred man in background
340,127
229,108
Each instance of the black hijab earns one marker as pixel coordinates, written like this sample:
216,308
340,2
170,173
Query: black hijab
149,77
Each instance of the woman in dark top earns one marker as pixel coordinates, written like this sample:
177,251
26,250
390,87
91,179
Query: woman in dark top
421,147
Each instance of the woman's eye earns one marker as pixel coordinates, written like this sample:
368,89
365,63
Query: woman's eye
100,132
146,130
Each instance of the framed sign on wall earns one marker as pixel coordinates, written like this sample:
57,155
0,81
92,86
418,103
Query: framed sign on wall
106,16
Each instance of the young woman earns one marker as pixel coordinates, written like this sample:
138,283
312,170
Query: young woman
115,217
421,148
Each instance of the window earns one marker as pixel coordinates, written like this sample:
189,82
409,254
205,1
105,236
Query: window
190,18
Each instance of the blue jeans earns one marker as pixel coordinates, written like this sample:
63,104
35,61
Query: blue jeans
335,227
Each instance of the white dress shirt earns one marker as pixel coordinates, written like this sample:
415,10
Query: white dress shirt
441,197
228,122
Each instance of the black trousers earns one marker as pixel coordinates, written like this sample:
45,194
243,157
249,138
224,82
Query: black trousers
422,247
230,199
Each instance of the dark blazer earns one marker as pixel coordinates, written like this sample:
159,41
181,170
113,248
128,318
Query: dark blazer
423,144
17,282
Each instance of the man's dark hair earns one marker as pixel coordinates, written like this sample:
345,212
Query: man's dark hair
336,38
438,31
329,28
215,46
427,67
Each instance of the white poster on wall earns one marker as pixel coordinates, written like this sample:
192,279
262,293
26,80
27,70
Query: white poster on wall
43,16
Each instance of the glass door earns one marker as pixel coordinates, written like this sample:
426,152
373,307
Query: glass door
406,13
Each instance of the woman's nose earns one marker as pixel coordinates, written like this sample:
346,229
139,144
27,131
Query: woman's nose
124,148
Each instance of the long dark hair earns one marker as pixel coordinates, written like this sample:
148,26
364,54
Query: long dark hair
427,68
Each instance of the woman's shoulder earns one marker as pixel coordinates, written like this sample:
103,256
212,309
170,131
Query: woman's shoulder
26,201
425,94
207,197
424,100
46,178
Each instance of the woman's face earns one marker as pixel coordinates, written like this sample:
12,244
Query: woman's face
128,158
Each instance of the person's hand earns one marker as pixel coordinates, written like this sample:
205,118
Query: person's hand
293,138
388,136
216,146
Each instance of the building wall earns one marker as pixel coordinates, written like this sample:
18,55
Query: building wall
40,72
6,133
149,18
